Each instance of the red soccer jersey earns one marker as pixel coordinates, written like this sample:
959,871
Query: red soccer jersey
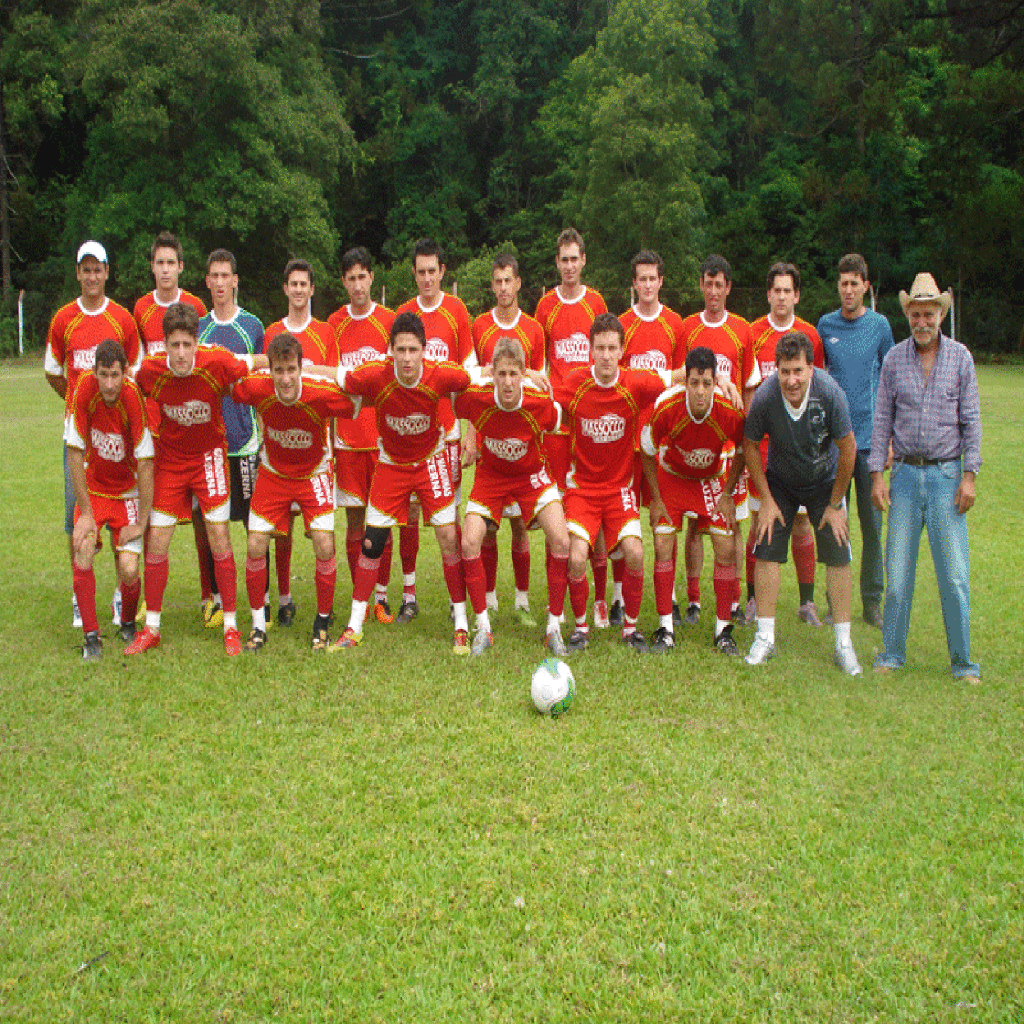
689,448
316,339
149,317
527,331
603,421
729,339
113,437
294,436
191,422
653,342
764,337
360,339
408,417
510,440
449,339
75,334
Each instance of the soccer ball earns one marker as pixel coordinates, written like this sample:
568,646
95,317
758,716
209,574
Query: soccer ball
552,687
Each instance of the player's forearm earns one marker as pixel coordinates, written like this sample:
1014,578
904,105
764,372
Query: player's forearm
752,462
59,383
650,468
145,480
736,467
76,467
844,471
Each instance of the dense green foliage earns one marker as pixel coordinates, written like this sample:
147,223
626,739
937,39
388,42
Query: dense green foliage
759,129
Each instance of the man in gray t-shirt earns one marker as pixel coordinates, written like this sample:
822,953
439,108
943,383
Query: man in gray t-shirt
810,460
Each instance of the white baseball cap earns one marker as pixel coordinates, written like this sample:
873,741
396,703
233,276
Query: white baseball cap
91,248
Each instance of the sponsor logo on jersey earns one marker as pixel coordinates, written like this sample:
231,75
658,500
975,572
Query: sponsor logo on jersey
156,348
832,341
768,367
574,349
605,429
699,458
107,446
437,350
418,423
366,354
724,364
84,358
511,449
293,438
191,414
652,360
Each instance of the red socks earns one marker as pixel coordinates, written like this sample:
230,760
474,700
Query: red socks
84,584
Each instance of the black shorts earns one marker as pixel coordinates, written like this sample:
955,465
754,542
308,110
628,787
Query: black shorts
243,480
816,499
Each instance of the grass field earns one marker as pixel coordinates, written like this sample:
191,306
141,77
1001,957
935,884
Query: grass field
393,834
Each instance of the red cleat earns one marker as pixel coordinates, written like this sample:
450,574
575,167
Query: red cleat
383,613
232,642
145,640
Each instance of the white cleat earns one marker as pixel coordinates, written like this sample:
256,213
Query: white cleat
761,650
846,658
601,620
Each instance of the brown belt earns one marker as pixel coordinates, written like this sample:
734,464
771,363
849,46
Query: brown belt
920,460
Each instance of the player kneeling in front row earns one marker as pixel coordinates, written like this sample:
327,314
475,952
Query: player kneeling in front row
188,383
295,468
407,391
685,453
511,416
810,462
110,457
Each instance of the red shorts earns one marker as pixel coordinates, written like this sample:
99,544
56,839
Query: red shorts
556,455
492,493
393,487
206,478
114,513
274,496
691,499
353,474
616,513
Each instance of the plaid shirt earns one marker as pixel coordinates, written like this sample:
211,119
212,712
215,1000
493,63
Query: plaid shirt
937,418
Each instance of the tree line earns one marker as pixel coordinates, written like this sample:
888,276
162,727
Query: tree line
758,129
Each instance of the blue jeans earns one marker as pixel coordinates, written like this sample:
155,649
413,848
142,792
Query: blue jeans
924,496
870,532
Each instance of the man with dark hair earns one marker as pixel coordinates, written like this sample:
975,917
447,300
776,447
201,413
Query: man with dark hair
686,460
361,332
928,411
765,332
295,471
804,414
167,262
728,336
110,455
856,341
449,335
75,331
506,321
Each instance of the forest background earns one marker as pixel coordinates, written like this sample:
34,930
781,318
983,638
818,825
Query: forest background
761,129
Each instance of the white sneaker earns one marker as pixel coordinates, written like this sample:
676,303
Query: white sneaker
601,620
115,607
846,658
761,650
76,615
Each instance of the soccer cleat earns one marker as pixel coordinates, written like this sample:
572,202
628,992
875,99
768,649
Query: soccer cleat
663,641
320,641
578,641
555,645
268,618
677,614
492,602
637,642
213,614
692,617
615,614
76,615
232,642
92,649
761,650
126,632
461,643
382,612
601,615
140,615
145,640
846,658
725,644
349,638
809,613
738,617
409,610
751,615
873,614
286,613
256,641
482,642
115,607
524,617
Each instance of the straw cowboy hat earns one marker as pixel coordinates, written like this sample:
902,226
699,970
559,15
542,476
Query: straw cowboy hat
924,289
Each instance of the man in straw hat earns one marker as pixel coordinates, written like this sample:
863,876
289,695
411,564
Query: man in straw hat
928,409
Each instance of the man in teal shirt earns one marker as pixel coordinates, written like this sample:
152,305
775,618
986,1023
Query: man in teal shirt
855,340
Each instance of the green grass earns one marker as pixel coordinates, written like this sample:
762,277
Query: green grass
392,834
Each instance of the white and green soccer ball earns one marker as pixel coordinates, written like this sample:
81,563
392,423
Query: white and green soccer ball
552,687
